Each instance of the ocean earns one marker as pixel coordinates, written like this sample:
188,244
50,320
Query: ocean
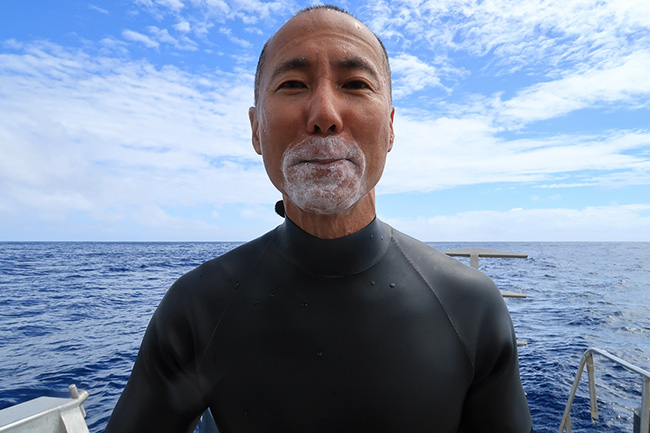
75,312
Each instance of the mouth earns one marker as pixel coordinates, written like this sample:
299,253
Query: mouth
325,155
324,162
328,164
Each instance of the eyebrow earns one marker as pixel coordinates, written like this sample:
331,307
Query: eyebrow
350,63
357,63
290,65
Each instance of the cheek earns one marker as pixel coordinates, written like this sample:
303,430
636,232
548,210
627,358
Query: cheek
376,150
376,166
272,158
272,152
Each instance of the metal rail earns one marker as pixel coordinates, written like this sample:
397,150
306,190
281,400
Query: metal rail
588,359
475,253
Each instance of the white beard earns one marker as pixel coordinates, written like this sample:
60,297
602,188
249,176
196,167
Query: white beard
324,175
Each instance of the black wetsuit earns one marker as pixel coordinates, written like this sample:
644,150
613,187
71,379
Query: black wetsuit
374,332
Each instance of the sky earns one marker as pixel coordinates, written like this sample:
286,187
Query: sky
516,120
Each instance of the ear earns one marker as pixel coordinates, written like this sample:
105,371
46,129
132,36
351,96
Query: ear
392,130
252,116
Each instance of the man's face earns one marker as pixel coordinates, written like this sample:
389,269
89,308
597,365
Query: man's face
324,119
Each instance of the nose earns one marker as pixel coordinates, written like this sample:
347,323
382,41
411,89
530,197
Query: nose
324,112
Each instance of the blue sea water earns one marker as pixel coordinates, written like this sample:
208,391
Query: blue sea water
76,312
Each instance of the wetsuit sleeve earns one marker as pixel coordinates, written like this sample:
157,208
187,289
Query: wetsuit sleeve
162,394
495,401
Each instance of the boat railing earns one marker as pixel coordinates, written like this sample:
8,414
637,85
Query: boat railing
588,360
475,253
47,414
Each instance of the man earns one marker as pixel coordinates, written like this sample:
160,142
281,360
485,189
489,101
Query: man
332,322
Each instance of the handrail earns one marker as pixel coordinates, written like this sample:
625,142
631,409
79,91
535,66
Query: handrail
475,253
39,414
588,358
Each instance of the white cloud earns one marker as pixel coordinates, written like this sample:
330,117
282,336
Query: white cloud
139,37
154,217
196,20
175,5
622,223
518,32
251,11
182,26
241,42
624,82
145,3
81,133
410,74
98,9
110,46
434,154
103,136
263,213
162,35
203,14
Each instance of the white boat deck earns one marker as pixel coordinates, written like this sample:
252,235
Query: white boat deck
46,415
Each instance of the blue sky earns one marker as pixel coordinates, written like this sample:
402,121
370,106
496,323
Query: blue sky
516,120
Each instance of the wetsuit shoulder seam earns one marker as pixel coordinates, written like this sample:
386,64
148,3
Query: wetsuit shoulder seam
442,304
232,298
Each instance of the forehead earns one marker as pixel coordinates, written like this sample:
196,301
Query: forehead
323,33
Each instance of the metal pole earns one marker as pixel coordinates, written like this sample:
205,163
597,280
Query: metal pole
566,417
645,406
588,359
473,261
593,403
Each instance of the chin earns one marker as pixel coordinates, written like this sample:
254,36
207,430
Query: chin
321,203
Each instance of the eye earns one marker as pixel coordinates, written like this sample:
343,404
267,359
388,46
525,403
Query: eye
356,85
291,84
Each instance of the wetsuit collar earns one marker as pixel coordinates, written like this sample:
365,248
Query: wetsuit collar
348,255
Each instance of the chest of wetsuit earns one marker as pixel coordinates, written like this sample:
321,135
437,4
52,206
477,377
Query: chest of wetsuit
375,332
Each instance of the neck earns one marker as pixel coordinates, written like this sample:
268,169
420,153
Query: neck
332,226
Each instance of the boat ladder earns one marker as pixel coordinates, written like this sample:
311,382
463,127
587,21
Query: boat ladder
643,418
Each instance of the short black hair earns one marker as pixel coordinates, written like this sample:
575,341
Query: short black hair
262,59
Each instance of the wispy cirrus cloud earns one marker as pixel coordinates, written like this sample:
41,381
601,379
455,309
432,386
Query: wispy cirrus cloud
490,94
85,133
158,37
593,63
173,5
622,82
239,41
205,13
98,9
410,75
443,153
134,36
518,33
204,25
